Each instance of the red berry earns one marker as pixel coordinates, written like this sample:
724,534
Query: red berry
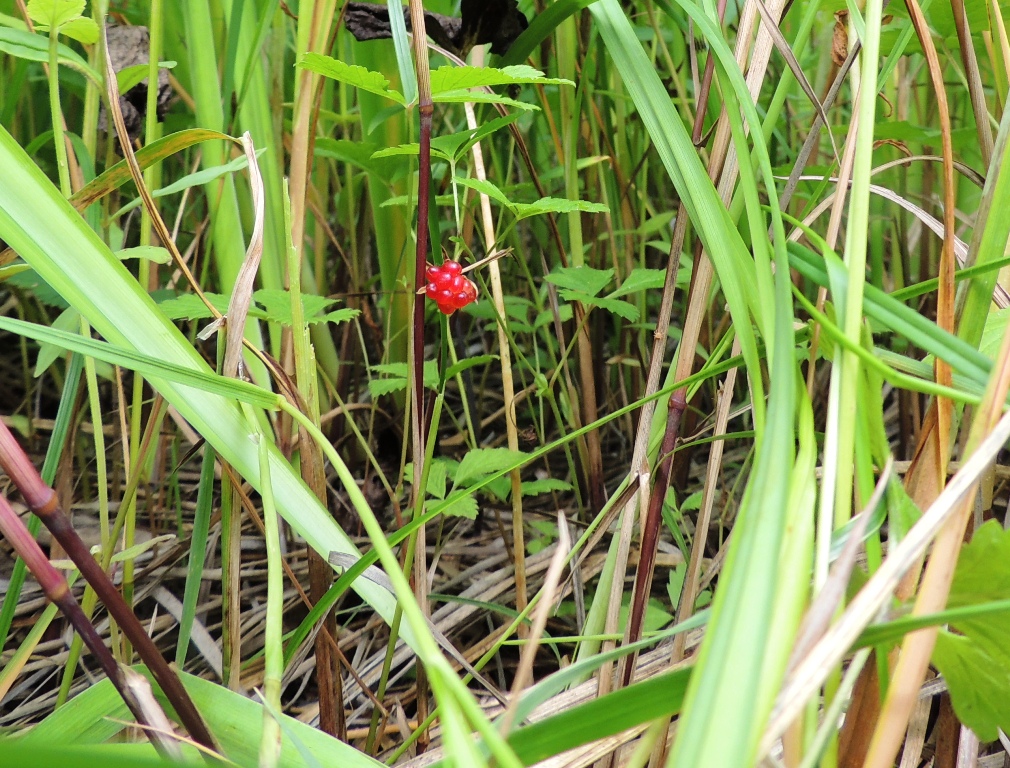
448,287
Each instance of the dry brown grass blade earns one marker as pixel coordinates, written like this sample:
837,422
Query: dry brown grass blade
241,296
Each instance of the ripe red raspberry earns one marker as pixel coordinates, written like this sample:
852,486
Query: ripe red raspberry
448,287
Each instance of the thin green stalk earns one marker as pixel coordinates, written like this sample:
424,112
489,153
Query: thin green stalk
273,661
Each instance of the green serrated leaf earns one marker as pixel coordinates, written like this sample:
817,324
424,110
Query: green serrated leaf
54,13
397,374
458,78
586,280
455,145
277,306
640,279
188,306
486,188
481,462
380,387
546,485
465,506
481,97
352,74
438,472
556,205
398,151
337,316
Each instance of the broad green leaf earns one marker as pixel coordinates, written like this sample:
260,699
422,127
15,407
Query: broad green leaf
992,334
458,78
15,754
978,684
150,367
587,280
352,74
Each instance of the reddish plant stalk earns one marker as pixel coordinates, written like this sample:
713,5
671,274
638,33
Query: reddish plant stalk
425,109
650,531
41,499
